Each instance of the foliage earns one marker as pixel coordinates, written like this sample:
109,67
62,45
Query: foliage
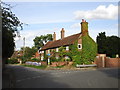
108,45
86,56
45,56
28,52
53,59
89,49
101,41
35,59
12,61
61,52
10,25
41,40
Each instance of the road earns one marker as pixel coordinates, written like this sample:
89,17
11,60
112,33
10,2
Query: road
27,77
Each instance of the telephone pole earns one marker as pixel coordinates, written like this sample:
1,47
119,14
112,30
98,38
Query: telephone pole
23,47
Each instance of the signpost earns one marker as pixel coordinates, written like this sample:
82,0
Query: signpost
48,58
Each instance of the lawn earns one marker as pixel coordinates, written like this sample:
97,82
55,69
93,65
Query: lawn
33,66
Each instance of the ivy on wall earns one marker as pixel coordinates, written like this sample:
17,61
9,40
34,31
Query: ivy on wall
86,55
89,50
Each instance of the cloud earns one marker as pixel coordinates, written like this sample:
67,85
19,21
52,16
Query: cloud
39,20
29,36
76,25
101,12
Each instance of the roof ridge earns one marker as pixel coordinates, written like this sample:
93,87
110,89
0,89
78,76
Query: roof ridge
60,42
67,37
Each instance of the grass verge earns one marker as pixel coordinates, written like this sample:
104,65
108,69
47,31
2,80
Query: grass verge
38,67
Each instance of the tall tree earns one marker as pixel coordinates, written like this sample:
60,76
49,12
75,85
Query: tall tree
42,40
101,41
108,45
10,25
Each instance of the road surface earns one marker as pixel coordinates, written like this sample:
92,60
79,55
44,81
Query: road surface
27,77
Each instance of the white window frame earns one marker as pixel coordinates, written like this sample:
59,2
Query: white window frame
39,52
48,51
57,57
66,57
80,46
57,49
42,52
67,48
42,57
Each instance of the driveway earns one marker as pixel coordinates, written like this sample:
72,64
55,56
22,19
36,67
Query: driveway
27,77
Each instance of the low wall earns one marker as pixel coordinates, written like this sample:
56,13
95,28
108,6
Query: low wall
43,63
108,62
112,62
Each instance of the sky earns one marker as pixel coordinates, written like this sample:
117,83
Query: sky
49,17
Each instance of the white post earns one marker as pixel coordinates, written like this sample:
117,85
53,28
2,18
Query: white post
48,61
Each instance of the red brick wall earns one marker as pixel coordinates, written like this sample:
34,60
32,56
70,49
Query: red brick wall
112,62
98,61
79,41
109,62
37,55
43,63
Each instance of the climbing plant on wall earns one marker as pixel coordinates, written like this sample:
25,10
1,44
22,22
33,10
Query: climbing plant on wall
89,50
86,55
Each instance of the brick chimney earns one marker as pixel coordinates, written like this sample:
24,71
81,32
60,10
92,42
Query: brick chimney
84,27
62,33
54,36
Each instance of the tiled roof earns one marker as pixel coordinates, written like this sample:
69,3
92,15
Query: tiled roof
61,42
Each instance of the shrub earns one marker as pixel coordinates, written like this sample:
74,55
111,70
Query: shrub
35,59
13,61
53,59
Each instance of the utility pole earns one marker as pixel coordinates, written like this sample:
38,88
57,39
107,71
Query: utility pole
23,47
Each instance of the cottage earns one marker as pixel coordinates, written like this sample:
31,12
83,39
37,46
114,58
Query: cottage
54,45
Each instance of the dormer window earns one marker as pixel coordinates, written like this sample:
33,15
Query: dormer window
79,46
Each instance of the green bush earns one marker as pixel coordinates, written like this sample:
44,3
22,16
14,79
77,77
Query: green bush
13,61
53,59
35,59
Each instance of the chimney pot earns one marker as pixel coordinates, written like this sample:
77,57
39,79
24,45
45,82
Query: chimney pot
62,33
83,20
54,36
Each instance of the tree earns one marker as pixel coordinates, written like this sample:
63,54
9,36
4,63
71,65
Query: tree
28,52
108,45
101,41
10,25
42,40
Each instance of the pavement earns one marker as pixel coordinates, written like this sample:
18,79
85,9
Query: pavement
27,77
